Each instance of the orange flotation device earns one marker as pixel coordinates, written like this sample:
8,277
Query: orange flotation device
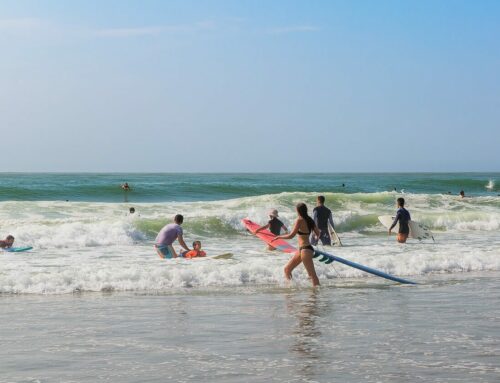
194,254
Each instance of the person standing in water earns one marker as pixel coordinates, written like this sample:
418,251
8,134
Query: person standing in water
167,236
304,226
274,225
403,217
322,216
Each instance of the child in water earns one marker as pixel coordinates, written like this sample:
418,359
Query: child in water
196,252
7,242
274,225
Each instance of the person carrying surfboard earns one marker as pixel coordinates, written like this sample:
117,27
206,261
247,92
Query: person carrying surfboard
274,225
403,216
167,236
304,226
7,242
322,216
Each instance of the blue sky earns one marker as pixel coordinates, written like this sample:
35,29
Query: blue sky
326,86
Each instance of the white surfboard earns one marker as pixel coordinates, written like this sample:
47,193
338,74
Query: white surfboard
335,238
218,256
222,256
417,230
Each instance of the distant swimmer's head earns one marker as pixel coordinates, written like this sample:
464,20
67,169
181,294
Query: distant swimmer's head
131,210
178,219
196,245
320,200
273,213
462,193
401,202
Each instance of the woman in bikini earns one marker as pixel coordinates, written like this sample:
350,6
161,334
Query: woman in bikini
304,225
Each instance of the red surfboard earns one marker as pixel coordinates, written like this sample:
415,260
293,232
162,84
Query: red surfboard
268,237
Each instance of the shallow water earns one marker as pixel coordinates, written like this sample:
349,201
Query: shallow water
443,331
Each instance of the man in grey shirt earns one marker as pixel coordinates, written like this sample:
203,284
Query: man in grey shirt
167,236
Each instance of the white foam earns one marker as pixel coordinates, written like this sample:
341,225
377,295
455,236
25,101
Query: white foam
98,247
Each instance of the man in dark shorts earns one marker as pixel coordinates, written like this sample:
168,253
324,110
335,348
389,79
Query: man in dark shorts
322,216
274,225
403,216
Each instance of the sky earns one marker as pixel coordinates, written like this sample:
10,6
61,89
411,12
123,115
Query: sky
249,86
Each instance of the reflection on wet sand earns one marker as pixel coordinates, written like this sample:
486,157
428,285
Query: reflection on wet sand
307,335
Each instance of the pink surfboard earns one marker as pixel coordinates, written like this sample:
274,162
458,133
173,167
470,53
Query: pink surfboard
268,237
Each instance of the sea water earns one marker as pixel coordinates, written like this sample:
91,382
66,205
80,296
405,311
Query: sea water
93,302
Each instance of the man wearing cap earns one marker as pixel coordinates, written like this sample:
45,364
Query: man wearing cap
274,225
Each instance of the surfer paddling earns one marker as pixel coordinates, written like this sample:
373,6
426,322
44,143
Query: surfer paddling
274,225
167,236
403,216
7,242
304,226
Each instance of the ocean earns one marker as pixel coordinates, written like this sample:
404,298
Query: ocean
93,302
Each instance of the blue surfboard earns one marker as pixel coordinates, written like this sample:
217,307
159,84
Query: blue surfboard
18,249
329,258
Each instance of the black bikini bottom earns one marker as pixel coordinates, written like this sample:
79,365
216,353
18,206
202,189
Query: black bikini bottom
306,247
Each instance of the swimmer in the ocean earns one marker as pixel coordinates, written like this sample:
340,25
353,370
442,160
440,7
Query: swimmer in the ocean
7,242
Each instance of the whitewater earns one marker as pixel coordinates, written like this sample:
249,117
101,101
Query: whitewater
99,246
